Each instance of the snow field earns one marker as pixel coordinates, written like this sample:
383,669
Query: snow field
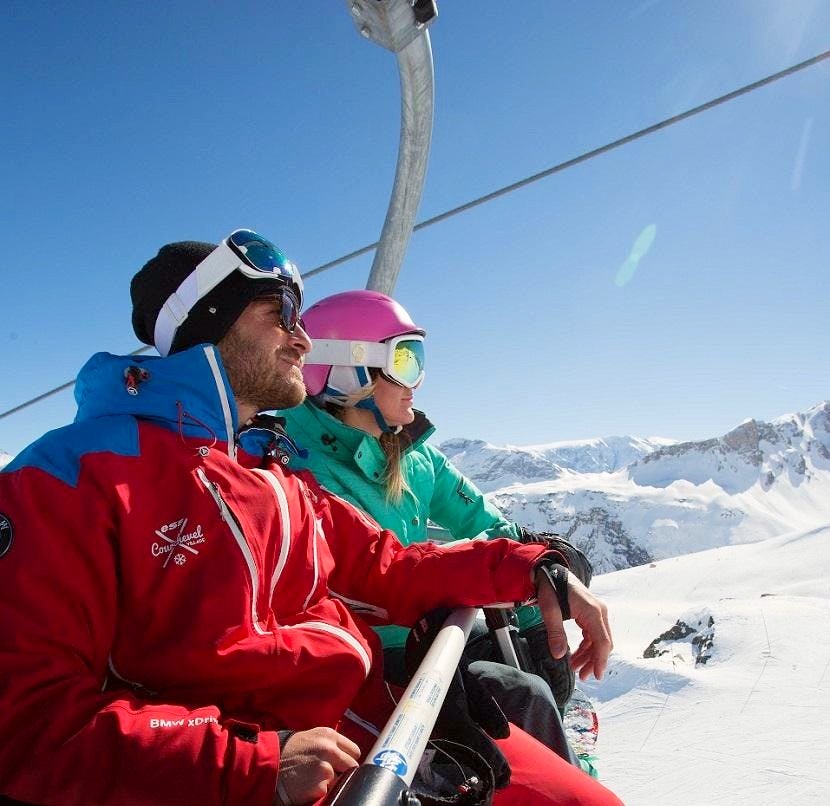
752,725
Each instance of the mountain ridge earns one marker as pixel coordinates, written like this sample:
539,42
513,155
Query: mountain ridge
756,481
490,464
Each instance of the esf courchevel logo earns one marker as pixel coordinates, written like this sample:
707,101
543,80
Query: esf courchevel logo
176,542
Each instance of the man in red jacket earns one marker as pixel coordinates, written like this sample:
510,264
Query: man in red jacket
173,617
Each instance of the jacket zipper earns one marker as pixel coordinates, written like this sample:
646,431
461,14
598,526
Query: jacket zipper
285,523
227,417
285,517
236,530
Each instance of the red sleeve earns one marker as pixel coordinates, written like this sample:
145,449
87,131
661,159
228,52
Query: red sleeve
64,739
372,566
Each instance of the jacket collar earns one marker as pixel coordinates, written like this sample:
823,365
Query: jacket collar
343,443
265,436
187,391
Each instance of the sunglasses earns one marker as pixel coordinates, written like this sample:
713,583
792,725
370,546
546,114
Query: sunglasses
288,309
400,359
243,251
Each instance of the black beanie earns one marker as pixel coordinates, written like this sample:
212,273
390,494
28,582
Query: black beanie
212,316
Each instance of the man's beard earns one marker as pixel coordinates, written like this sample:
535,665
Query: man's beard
256,375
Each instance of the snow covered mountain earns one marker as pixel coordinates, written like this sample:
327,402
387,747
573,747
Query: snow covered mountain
759,480
493,467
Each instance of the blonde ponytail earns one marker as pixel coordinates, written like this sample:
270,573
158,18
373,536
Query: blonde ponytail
392,444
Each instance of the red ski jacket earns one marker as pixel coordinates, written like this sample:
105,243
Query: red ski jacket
167,604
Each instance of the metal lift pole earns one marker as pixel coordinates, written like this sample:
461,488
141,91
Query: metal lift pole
400,26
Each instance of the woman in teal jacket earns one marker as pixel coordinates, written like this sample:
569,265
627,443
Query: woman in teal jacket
364,441
352,463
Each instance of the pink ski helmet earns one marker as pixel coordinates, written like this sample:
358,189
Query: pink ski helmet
353,331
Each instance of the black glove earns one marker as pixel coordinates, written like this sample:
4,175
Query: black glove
575,558
558,674
469,716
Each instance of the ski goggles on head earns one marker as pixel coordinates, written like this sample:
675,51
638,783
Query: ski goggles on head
243,251
400,359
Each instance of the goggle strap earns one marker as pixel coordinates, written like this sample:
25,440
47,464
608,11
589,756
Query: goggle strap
346,353
168,322
176,309
219,264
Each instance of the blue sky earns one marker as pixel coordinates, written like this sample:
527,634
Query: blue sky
673,287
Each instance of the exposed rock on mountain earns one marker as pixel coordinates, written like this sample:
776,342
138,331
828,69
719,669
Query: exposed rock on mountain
759,480
792,448
684,642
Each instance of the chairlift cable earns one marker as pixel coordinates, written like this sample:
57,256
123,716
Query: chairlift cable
584,157
629,138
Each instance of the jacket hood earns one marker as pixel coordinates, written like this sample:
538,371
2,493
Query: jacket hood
187,391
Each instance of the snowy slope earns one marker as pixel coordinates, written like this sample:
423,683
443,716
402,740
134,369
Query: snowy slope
757,481
750,725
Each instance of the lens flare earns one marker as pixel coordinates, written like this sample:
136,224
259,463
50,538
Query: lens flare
800,157
640,249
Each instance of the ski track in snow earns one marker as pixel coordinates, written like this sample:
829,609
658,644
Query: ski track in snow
752,725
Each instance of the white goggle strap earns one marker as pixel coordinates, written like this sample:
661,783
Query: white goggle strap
218,265
346,353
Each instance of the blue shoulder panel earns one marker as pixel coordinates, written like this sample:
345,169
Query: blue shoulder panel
59,452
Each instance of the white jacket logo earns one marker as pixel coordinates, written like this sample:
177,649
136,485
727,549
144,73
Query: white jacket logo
183,540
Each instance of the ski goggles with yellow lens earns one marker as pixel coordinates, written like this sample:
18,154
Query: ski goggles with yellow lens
243,251
400,359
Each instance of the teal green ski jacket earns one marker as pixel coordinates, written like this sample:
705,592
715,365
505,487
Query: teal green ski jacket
351,463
